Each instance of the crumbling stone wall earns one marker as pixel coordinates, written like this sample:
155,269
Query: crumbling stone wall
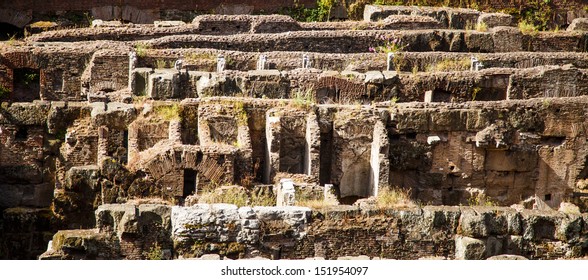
298,233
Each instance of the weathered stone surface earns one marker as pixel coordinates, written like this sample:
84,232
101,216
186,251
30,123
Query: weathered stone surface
578,24
507,39
495,19
117,115
482,222
87,119
467,248
82,244
507,258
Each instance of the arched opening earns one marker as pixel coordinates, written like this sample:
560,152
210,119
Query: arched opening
10,32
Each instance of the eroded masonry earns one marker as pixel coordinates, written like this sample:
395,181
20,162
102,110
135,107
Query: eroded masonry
123,137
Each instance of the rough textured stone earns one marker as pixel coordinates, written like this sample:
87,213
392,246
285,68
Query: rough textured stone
495,19
507,258
578,24
467,248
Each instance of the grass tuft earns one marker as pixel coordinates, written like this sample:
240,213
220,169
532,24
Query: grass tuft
394,197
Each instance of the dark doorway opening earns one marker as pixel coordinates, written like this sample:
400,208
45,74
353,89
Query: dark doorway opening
190,181
440,95
10,32
22,134
26,84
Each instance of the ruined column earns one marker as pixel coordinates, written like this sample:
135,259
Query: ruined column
102,144
313,145
132,66
133,145
379,161
272,134
286,193
175,131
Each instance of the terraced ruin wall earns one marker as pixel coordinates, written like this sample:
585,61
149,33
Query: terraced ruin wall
123,113
132,232
23,12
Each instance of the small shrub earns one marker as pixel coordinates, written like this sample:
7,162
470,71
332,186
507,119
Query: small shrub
240,113
236,195
233,195
303,98
160,64
141,49
475,92
260,198
321,13
155,253
4,91
168,113
388,44
398,61
528,28
31,78
481,27
195,57
448,65
481,200
315,203
12,40
389,197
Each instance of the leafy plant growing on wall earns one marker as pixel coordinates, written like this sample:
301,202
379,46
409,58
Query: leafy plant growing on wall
321,13
4,91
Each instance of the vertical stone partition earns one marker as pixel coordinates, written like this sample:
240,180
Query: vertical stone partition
272,132
313,145
102,143
175,131
379,162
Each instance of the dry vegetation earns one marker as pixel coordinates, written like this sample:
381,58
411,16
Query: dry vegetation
235,195
394,197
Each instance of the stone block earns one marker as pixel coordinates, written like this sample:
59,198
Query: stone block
495,19
164,85
578,24
467,248
507,258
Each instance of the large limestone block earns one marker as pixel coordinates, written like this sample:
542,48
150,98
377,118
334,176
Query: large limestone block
467,248
495,19
579,24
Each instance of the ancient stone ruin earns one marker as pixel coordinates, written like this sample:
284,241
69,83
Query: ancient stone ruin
260,136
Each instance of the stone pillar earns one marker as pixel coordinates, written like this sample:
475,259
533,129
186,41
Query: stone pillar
133,145
313,146
306,62
379,161
132,66
262,62
390,62
102,144
329,193
286,193
272,157
220,63
428,96
175,131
